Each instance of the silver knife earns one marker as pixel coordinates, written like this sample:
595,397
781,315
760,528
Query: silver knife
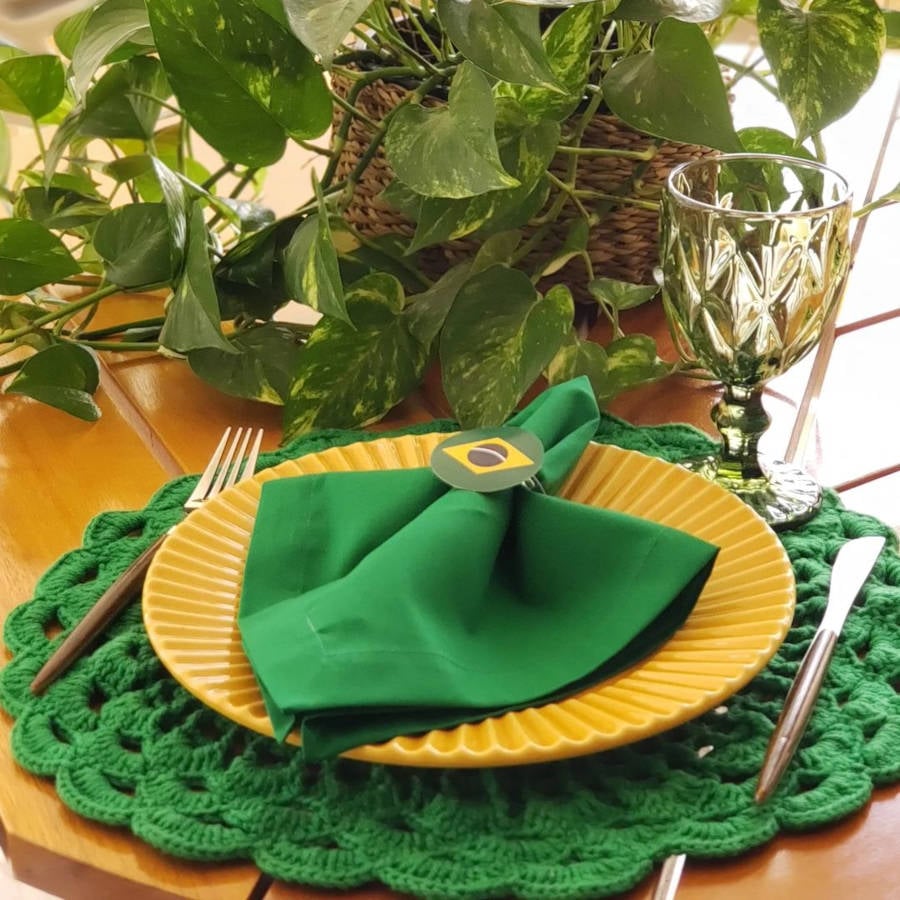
852,566
669,877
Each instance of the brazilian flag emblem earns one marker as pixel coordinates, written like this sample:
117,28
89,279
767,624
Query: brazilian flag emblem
488,459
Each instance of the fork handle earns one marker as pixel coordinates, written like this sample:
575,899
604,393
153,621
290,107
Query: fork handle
116,597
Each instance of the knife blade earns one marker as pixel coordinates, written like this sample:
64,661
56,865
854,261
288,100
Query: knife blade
851,568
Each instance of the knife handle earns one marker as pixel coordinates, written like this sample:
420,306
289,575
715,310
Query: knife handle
116,597
798,707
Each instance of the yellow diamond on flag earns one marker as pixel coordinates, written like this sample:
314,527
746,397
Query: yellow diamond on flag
491,455
488,459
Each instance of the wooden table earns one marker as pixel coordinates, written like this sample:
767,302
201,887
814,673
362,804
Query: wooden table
834,414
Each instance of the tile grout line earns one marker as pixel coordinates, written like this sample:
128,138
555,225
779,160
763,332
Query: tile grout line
860,480
132,414
135,419
807,412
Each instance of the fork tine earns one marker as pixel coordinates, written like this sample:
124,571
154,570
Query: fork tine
209,472
226,463
252,456
236,468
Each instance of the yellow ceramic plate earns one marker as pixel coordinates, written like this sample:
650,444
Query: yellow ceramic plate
192,591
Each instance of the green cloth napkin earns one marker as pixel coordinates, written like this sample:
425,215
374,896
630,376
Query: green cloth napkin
384,603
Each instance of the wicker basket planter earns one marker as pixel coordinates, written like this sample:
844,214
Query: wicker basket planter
624,245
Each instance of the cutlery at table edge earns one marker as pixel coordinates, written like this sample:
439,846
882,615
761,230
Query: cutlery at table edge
230,462
852,566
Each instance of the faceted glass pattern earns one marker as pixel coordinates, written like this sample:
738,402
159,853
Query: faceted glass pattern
755,252
748,292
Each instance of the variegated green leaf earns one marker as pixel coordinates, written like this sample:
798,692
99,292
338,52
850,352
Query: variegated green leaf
502,38
771,140
498,249
192,317
428,311
381,253
451,151
574,245
576,358
121,104
621,294
568,43
632,361
526,155
311,270
675,90
323,24
31,85
63,376
16,314
825,55
262,369
68,32
892,196
175,198
499,335
403,198
243,81
31,256
58,209
65,133
349,376
135,244
107,28
685,10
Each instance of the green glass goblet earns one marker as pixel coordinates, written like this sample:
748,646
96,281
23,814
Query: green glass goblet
755,253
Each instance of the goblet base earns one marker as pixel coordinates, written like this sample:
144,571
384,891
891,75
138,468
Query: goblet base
784,497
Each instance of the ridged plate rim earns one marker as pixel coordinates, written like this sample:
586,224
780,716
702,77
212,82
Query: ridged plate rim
741,618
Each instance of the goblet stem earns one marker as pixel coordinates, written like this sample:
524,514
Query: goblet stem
742,420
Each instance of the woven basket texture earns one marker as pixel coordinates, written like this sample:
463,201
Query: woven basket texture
623,245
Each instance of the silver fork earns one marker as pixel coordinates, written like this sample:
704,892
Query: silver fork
231,462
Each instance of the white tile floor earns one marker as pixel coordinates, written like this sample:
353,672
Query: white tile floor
10,889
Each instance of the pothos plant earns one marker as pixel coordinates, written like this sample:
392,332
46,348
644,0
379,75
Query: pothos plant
117,201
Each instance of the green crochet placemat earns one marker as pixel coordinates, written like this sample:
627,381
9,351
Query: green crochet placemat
128,746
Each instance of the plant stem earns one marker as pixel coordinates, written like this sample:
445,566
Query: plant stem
423,32
357,56
608,151
375,143
533,242
17,184
122,346
148,96
40,139
367,40
404,50
353,111
66,311
572,164
343,130
245,179
616,198
13,367
313,148
573,194
125,326
226,169
819,146
750,70
75,282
